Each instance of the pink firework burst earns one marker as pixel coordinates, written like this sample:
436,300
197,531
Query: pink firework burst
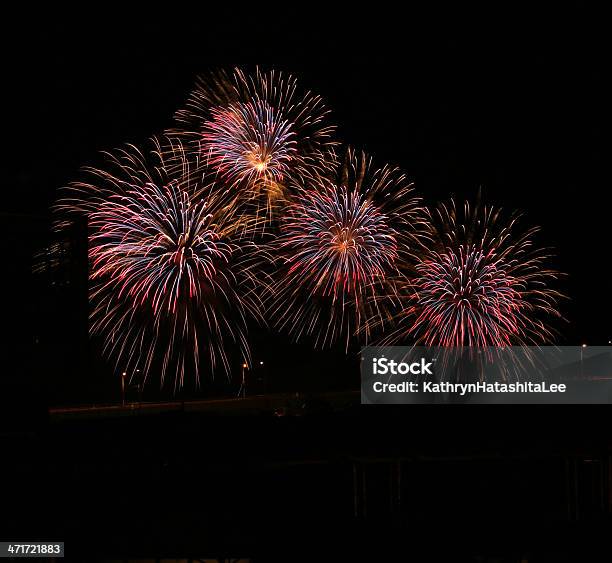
479,282
170,280
342,237
248,143
259,131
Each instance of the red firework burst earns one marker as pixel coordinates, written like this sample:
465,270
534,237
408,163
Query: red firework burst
170,280
480,281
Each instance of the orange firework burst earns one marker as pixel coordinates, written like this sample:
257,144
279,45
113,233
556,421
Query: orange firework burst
259,133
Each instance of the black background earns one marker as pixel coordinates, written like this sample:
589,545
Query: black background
513,104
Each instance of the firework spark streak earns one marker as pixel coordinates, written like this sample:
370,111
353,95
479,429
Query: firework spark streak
170,281
258,132
340,239
480,282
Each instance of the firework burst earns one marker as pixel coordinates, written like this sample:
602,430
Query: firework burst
170,282
341,239
480,282
259,132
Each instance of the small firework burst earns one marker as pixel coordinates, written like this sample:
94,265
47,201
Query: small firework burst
479,282
248,143
259,132
170,281
341,239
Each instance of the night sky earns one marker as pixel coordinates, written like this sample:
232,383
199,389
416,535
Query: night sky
514,105
516,111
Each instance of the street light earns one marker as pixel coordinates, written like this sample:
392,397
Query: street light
123,375
242,390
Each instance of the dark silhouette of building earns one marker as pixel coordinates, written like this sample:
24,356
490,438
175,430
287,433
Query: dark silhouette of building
44,292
